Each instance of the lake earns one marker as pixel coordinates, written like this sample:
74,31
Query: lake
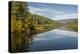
56,39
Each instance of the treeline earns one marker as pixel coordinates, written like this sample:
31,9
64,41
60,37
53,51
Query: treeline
73,25
24,25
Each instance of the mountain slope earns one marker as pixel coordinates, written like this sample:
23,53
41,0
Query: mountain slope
73,25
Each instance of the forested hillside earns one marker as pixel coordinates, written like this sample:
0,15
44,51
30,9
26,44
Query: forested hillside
21,18
73,25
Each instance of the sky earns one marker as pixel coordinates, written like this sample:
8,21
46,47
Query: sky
54,11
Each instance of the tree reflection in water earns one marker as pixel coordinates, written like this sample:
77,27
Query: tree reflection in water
21,41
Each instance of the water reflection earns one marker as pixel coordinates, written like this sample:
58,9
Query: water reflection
55,40
50,40
21,42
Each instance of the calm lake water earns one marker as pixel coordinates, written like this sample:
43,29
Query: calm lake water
55,39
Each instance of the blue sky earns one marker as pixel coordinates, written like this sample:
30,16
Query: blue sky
54,11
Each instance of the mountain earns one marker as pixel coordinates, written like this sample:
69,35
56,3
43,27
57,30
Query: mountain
72,24
66,20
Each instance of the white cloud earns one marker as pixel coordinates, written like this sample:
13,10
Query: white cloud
66,16
37,10
52,13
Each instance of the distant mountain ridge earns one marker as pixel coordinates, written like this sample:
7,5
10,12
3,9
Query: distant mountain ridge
67,20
